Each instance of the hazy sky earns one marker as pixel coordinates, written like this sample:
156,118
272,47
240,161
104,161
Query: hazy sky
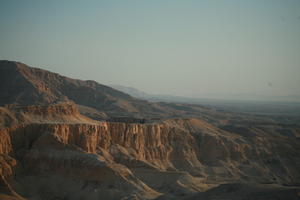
187,48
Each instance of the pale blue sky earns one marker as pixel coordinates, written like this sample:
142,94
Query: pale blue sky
187,48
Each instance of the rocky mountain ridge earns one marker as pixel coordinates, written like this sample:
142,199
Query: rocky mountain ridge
50,150
24,85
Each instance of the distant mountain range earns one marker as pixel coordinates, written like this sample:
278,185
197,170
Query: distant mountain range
159,97
132,91
209,98
239,103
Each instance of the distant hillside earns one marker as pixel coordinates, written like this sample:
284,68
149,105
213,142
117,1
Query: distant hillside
24,85
240,106
132,91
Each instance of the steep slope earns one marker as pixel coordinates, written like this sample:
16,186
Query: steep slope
18,79
23,85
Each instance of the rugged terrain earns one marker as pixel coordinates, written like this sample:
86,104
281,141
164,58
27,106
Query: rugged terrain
58,141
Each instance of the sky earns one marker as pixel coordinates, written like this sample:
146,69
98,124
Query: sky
231,49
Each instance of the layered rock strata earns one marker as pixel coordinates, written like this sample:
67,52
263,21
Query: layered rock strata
120,157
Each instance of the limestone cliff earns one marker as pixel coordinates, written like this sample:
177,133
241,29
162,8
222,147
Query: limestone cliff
52,146
119,159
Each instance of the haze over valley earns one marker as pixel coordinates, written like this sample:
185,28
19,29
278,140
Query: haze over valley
150,100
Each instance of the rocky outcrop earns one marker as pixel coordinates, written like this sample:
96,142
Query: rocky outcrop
49,150
120,155
5,142
7,167
62,112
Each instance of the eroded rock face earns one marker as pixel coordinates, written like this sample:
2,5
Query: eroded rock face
5,142
49,150
111,156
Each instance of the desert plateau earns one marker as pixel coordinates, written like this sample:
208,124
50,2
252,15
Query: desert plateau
150,100
63,138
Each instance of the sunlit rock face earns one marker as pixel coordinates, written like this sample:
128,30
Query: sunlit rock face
116,156
67,139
